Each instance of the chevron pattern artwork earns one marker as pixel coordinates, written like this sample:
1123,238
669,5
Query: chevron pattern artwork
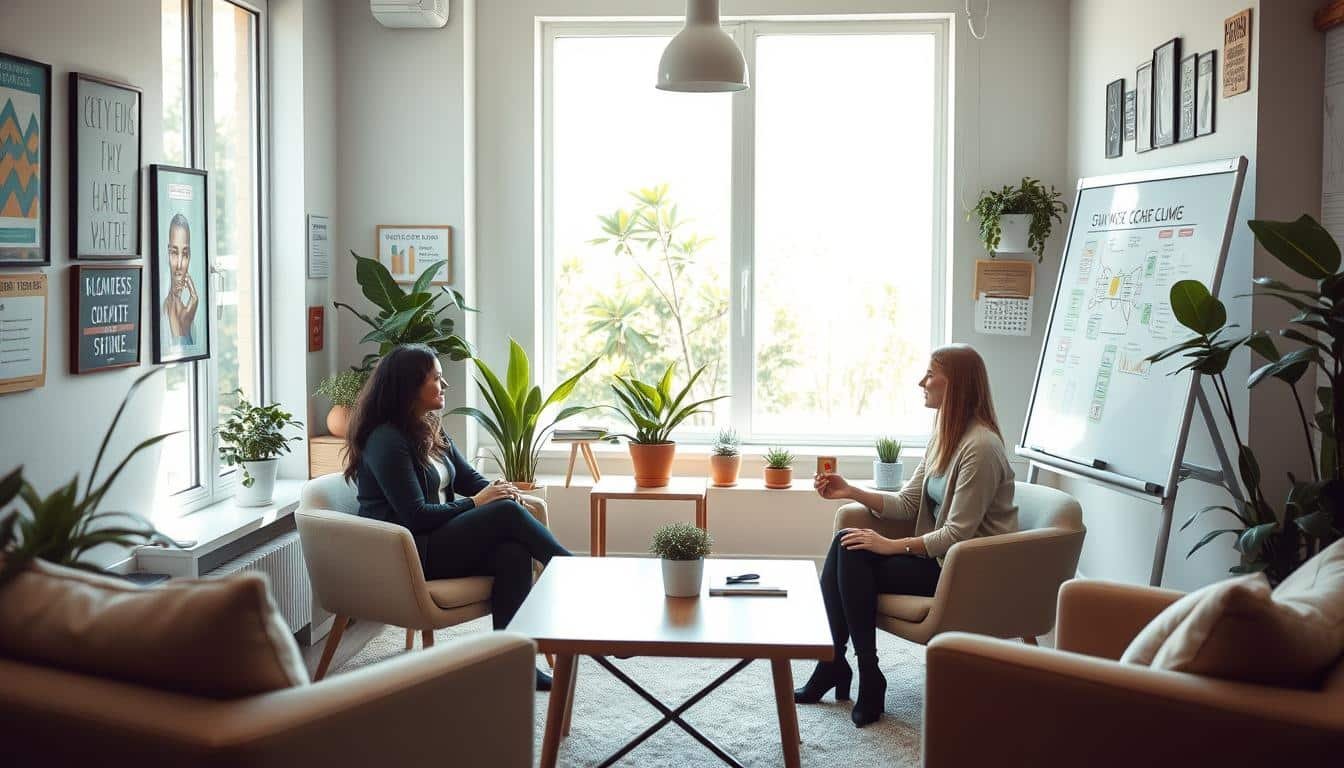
20,165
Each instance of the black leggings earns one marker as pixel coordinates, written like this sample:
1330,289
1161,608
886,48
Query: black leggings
499,539
850,582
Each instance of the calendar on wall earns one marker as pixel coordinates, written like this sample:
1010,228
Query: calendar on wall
1003,315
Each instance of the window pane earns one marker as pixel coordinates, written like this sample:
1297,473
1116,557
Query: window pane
176,131
234,172
648,174
843,237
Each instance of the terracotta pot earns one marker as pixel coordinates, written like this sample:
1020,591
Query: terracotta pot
338,420
526,486
779,478
723,470
653,463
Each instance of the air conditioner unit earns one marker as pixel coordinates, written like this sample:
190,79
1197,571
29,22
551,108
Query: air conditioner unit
410,14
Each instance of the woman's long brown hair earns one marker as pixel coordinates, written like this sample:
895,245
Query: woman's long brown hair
966,401
389,397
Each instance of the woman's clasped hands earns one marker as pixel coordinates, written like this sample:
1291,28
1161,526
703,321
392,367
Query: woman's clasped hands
495,491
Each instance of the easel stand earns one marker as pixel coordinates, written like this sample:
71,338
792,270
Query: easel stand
1224,477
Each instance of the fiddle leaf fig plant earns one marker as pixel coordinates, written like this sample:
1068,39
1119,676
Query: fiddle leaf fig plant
1030,197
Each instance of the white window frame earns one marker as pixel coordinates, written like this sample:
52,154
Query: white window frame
742,350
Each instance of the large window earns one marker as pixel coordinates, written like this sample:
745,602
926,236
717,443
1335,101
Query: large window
790,239
212,119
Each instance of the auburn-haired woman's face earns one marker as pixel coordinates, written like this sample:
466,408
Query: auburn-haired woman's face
934,385
431,391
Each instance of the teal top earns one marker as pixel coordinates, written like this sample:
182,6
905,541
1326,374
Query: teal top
936,487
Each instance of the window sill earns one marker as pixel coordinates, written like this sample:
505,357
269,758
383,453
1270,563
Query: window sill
213,527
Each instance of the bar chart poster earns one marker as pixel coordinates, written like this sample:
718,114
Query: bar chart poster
23,331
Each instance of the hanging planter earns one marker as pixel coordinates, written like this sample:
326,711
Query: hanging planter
1005,214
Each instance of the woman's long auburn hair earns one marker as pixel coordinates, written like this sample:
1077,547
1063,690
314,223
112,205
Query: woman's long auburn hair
966,401
389,397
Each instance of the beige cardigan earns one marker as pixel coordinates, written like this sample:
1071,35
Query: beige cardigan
978,502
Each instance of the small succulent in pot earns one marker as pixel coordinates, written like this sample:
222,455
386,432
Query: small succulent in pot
778,468
726,460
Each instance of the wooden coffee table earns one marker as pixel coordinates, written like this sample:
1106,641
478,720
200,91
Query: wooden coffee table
615,606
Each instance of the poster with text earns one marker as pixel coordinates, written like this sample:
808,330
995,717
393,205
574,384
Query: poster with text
181,290
408,250
104,318
25,162
105,146
23,331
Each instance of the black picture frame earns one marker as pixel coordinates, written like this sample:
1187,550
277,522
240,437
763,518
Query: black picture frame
1131,116
1206,93
1186,119
1115,118
1166,92
14,193
1143,101
164,209
90,349
100,206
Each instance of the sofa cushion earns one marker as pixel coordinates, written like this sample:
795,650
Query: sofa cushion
221,638
1145,645
455,593
910,608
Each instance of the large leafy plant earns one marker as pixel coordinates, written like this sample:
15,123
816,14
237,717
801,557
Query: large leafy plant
407,317
63,526
1030,197
254,433
1272,540
516,406
654,411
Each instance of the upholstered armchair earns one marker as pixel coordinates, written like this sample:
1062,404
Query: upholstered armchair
1003,585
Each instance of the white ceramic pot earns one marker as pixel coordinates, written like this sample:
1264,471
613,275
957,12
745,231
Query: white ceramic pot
263,483
888,477
1013,231
682,578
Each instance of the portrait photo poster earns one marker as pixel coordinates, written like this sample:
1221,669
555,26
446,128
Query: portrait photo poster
180,298
25,162
408,249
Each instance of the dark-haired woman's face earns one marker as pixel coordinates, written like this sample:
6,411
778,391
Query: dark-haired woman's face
934,385
431,391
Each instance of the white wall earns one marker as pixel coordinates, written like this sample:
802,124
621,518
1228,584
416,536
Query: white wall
54,431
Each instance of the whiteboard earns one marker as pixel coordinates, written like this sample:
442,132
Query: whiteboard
1097,408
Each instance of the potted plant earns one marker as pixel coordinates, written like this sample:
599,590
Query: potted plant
515,407
683,548
887,469
253,436
778,468
342,389
1018,220
654,411
726,459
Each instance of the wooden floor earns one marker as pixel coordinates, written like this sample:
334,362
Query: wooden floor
357,635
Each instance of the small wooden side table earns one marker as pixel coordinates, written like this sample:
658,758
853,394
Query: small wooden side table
585,447
677,489
326,454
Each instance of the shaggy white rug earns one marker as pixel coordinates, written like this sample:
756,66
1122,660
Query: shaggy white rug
739,716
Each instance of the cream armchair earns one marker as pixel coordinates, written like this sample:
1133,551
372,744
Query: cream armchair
1079,706
369,569
1003,585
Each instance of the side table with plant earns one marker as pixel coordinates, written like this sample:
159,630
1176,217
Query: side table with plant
253,436
726,460
654,411
1018,220
887,469
682,548
778,468
342,389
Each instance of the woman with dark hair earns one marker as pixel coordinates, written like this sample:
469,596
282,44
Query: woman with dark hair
962,489
401,460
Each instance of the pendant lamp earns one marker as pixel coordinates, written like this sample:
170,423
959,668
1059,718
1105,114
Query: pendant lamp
702,58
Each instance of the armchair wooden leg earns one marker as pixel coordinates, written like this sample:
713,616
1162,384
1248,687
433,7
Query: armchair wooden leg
427,638
329,650
410,639
1030,641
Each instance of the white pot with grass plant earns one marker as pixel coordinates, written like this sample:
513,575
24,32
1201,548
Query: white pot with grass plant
682,548
252,436
888,472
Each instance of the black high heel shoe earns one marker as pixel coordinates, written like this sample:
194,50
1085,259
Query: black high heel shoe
872,693
828,674
543,681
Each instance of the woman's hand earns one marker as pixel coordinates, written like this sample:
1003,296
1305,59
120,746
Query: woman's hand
832,486
866,538
494,492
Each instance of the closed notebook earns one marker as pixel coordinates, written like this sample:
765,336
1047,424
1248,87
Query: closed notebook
721,589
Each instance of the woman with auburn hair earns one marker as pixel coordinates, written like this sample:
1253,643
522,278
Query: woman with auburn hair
962,489
401,461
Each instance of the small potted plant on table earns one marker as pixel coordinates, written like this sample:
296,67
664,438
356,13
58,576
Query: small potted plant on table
778,468
683,548
726,460
342,389
253,436
887,469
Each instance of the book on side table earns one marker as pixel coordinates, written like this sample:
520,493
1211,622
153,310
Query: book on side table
747,588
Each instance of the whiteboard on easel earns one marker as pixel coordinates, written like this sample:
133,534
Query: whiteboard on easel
1097,407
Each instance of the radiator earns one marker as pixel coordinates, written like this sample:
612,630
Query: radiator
281,560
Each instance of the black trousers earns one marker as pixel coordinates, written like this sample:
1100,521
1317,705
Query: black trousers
500,539
850,582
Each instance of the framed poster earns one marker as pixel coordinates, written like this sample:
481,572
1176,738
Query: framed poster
23,324
319,246
180,294
1130,116
408,249
1237,54
1143,107
1166,92
1205,71
1115,117
104,317
25,162
105,144
1186,131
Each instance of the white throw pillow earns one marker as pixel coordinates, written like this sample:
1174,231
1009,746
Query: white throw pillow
1146,645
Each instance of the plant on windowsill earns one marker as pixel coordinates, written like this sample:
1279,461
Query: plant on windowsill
654,411
1312,516
515,407
682,548
726,460
887,468
778,468
62,527
253,436
1018,220
342,389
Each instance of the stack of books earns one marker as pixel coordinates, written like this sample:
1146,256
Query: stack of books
577,434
